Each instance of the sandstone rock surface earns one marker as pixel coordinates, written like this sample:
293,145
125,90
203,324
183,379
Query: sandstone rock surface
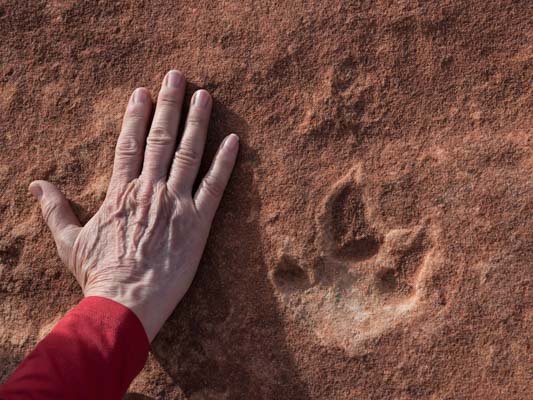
376,240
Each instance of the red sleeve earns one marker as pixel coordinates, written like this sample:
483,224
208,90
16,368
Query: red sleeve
94,352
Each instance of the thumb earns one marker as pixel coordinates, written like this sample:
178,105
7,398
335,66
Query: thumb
58,215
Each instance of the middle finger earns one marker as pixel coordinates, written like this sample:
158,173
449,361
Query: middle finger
161,141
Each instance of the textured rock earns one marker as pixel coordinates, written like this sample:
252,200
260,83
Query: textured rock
376,238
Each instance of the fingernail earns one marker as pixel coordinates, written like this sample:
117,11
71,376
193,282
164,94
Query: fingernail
36,190
201,98
231,142
140,96
174,79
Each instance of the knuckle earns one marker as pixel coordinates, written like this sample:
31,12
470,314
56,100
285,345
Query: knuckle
225,162
187,157
160,136
50,208
196,121
213,187
135,115
128,146
168,100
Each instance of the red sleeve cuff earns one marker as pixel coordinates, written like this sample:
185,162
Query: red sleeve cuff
95,351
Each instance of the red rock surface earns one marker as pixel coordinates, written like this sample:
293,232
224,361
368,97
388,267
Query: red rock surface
376,238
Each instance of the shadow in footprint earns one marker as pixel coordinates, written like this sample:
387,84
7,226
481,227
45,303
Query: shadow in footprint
346,231
226,339
289,275
403,252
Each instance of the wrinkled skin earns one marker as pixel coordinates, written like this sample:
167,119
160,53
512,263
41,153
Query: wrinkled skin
143,246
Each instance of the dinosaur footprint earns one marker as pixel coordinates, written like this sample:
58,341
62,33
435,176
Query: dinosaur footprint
364,280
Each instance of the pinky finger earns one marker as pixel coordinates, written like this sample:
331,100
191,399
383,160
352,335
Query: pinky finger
210,192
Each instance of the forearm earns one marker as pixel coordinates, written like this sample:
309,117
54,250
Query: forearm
94,352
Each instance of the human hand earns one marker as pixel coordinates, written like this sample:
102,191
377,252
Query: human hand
143,246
